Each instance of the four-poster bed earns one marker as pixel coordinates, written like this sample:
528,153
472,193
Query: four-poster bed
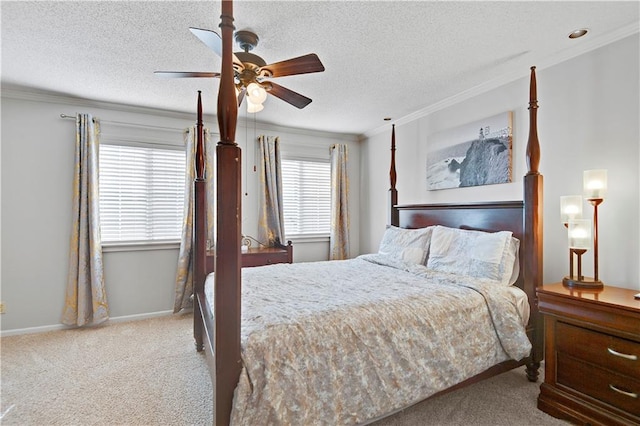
225,337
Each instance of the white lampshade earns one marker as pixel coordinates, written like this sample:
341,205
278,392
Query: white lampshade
570,207
256,93
251,107
595,184
579,234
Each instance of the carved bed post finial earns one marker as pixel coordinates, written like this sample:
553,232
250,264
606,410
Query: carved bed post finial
532,266
227,100
394,218
200,206
533,145
392,171
200,163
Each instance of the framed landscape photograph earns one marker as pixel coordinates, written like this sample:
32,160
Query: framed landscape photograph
474,154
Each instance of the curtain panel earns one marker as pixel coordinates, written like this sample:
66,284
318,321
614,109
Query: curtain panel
339,234
184,275
86,298
271,211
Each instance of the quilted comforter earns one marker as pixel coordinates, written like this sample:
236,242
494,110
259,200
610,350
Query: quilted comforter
346,342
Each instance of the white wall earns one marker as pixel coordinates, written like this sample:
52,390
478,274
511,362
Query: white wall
588,119
37,164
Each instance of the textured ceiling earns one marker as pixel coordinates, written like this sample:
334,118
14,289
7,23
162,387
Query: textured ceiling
382,58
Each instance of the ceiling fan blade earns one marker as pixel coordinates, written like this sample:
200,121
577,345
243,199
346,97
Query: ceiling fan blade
301,65
183,74
243,91
214,42
287,95
211,38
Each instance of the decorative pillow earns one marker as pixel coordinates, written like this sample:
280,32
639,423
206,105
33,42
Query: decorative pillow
408,245
473,253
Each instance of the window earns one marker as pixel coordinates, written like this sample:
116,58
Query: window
141,193
306,186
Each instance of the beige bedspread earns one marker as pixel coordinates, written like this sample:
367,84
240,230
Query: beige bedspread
344,342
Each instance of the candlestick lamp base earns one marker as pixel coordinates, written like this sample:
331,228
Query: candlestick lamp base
585,282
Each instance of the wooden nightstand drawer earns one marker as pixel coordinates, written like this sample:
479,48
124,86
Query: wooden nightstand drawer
618,390
610,352
592,340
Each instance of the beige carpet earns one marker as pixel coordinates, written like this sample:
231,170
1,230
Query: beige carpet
147,372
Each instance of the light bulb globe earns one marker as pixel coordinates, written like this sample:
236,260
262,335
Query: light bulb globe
253,108
256,93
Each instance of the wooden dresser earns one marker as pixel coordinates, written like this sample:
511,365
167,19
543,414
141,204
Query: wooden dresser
258,256
592,355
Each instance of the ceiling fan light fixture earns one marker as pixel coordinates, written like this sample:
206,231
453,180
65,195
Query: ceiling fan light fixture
256,93
253,108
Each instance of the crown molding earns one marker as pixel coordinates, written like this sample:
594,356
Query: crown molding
36,95
567,54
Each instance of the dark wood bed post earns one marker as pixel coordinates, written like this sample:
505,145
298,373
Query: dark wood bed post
200,229
394,214
533,220
228,363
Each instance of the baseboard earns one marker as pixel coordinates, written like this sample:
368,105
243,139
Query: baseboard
58,327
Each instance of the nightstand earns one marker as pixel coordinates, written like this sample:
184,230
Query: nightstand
258,256
592,355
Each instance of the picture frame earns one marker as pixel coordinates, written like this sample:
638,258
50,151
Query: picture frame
474,154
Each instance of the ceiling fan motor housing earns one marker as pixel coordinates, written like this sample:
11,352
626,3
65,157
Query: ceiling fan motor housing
247,40
246,57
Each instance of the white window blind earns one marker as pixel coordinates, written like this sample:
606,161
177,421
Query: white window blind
306,186
141,193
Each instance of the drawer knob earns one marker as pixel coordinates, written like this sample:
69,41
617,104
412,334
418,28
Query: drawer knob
629,394
621,355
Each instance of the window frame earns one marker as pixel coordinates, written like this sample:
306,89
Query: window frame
309,237
143,136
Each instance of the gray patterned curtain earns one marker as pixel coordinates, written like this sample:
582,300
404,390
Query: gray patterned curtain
270,219
184,275
86,298
339,236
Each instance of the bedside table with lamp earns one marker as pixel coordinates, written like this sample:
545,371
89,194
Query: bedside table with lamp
592,334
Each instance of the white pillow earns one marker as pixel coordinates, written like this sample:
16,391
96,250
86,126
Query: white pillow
512,257
408,245
474,253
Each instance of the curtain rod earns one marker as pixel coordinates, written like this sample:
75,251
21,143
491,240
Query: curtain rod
73,117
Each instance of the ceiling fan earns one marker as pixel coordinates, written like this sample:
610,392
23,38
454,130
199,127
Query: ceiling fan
252,72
